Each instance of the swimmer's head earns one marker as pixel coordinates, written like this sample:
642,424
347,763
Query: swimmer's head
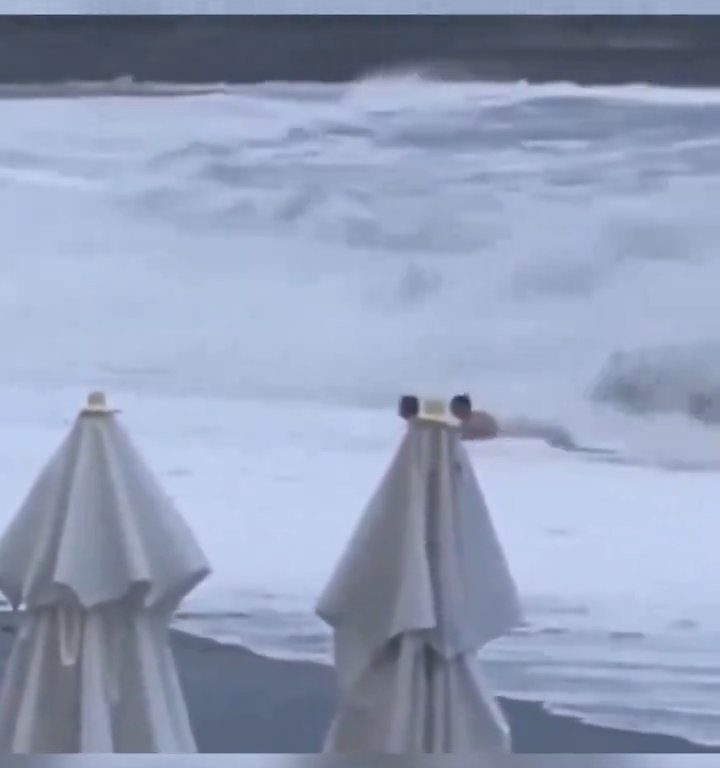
409,407
461,407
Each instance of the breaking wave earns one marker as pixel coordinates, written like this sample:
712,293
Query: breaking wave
349,242
683,380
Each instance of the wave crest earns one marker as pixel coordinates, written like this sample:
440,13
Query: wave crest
684,380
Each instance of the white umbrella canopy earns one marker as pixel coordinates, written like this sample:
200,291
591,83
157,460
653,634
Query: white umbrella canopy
421,588
99,558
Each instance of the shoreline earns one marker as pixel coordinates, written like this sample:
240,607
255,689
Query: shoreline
292,704
241,702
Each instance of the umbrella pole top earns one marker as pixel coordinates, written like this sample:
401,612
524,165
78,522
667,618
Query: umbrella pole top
97,404
428,410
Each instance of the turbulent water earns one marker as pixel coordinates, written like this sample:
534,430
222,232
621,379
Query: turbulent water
551,249
350,242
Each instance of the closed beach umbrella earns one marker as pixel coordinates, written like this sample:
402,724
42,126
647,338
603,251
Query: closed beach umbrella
99,558
421,588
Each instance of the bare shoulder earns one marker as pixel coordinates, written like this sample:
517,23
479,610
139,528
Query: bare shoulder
480,426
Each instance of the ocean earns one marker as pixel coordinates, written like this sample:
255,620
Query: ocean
255,273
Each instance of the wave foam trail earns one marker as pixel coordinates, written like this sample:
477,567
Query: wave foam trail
350,242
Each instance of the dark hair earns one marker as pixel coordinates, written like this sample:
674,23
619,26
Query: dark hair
461,402
408,407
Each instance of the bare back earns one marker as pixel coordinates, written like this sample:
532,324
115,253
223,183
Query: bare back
480,426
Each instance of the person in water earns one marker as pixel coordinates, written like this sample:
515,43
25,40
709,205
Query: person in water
409,407
474,425
481,425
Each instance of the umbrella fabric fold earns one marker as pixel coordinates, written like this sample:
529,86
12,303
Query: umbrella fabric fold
99,558
422,586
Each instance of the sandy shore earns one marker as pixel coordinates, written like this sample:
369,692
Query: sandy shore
245,703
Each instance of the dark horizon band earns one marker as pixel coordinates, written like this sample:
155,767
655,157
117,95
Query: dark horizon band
594,49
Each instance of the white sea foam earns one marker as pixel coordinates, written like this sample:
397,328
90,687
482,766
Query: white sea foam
258,274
